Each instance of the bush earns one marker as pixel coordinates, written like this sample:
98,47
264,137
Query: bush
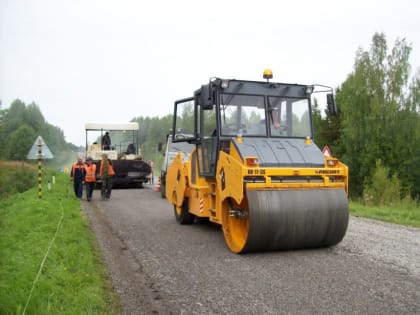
25,180
408,203
16,177
382,191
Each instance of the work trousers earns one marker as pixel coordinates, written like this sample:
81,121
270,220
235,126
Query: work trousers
78,188
106,187
89,189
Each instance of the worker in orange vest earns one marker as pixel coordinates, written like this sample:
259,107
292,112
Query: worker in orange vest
90,177
106,171
77,174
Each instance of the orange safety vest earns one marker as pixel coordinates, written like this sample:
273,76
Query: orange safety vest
90,173
111,171
76,166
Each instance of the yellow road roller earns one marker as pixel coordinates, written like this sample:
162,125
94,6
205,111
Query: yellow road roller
254,168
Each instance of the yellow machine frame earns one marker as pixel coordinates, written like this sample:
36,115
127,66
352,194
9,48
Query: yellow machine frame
205,198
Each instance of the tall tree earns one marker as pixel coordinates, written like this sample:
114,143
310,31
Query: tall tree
2,133
327,130
373,99
20,143
407,146
14,117
17,121
33,117
152,132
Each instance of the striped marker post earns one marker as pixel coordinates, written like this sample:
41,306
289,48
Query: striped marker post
39,168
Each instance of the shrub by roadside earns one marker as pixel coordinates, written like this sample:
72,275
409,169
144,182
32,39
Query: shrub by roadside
16,177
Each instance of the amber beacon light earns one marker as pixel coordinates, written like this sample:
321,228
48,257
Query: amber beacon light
268,74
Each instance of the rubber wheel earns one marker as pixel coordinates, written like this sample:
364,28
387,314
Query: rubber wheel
182,215
235,230
162,190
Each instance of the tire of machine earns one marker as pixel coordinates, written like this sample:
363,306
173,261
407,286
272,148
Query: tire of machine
162,190
294,219
182,216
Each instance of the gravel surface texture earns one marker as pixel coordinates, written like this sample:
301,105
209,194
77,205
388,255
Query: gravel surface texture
160,267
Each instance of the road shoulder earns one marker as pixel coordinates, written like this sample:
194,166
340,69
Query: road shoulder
136,290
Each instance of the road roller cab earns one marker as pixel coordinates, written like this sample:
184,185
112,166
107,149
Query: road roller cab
255,169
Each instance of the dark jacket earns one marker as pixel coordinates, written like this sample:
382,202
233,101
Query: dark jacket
78,172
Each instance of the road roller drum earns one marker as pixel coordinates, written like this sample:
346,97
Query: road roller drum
288,219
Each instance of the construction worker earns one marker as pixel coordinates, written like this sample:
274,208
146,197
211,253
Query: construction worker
152,166
106,141
77,174
90,177
106,171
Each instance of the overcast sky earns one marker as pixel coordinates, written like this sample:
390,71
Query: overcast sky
111,61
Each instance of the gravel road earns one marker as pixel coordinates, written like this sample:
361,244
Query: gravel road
160,267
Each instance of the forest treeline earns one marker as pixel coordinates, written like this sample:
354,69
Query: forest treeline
376,133
378,126
21,124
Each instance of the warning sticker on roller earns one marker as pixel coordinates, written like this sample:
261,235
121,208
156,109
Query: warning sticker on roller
327,151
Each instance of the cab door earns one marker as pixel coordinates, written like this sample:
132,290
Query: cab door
196,123
208,141
184,127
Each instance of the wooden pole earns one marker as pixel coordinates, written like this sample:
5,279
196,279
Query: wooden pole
39,168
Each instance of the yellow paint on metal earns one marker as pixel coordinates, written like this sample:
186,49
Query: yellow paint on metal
224,199
176,181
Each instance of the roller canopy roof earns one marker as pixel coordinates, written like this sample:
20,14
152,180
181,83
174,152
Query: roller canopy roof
123,126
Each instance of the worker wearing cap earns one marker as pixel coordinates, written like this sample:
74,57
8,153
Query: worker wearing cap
90,177
77,174
106,171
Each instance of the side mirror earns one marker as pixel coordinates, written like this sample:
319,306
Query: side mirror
206,97
332,107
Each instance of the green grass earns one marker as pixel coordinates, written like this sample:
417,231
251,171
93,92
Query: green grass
73,279
409,216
